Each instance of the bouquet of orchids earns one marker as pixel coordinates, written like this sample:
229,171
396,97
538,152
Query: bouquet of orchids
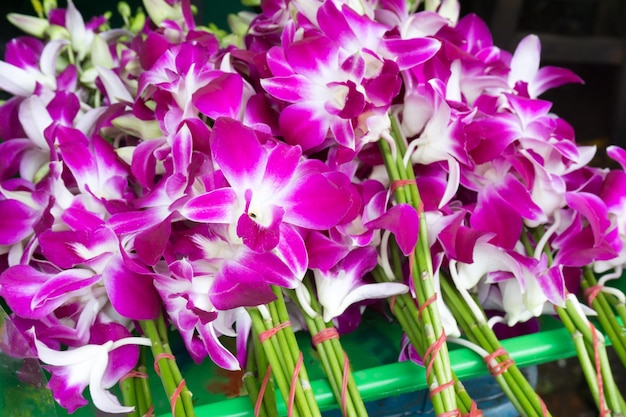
166,176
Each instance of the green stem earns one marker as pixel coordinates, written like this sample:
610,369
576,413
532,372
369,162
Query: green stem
273,356
445,400
513,382
168,379
309,397
606,317
129,396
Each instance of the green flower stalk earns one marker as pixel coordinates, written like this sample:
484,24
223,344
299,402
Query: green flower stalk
171,377
333,357
436,356
271,323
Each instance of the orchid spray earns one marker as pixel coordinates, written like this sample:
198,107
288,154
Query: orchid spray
166,177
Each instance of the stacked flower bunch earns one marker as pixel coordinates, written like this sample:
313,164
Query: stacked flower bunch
325,154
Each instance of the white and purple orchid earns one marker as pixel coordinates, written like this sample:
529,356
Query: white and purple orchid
158,164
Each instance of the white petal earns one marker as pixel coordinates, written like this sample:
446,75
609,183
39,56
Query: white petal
15,80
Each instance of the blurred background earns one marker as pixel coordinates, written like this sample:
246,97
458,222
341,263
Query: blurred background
586,36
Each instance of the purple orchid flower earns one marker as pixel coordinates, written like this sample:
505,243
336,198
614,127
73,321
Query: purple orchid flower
99,365
272,192
344,284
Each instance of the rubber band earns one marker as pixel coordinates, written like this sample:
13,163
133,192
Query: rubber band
400,183
158,357
596,353
498,368
428,302
591,293
324,335
263,336
294,381
176,396
431,352
544,408
134,374
150,412
474,411
344,384
262,388
392,304
436,390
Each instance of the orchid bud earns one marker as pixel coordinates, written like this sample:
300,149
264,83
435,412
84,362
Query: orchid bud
160,10
138,22
144,129
32,25
100,53
124,10
49,5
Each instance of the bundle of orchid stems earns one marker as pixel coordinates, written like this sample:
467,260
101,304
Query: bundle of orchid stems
320,159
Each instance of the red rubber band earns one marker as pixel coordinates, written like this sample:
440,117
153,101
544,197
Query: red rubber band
344,384
400,183
134,374
431,352
392,304
294,381
591,293
498,368
596,353
176,396
474,411
259,399
428,302
158,357
150,412
324,335
439,388
544,408
263,336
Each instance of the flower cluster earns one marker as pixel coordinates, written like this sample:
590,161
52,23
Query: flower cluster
157,167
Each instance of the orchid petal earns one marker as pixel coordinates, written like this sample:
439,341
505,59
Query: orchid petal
217,206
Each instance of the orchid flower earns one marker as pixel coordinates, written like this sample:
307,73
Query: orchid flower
344,284
99,365
272,192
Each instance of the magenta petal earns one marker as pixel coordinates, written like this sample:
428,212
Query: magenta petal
239,286
292,250
493,214
318,203
552,284
324,252
221,97
258,237
216,206
292,88
403,222
150,243
218,353
551,77
302,124
228,139
121,360
125,287
16,221
593,209
408,53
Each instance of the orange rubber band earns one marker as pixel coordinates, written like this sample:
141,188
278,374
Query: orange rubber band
176,396
596,353
158,357
259,399
150,412
400,183
591,293
431,352
500,367
474,411
423,307
324,335
134,374
271,332
294,381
